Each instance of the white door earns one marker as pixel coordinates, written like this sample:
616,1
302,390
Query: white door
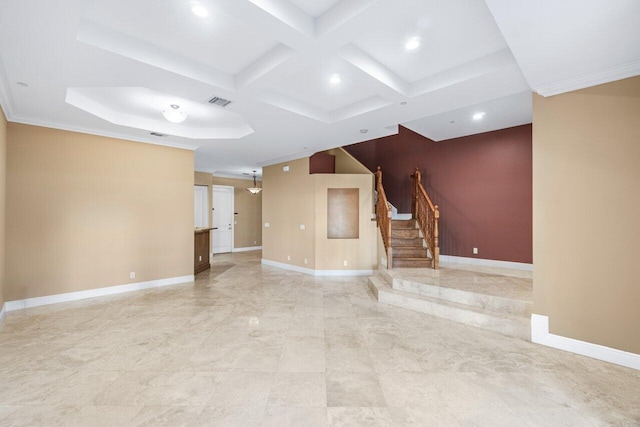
200,206
222,240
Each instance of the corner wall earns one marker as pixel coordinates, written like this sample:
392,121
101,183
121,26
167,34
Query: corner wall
287,203
586,211
84,211
3,201
295,198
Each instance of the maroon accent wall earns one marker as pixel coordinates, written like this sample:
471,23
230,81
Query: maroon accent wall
481,183
322,163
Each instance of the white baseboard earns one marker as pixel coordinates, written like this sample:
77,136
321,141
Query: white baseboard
449,259
540,335
312,272
92,293
3,310
247,249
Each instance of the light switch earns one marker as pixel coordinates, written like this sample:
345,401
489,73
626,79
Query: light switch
266,225
302,227
285,168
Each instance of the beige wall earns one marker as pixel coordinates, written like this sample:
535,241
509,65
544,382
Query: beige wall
296,198
83,211
346,163
247,229
3,195
360,253
289,201
586,194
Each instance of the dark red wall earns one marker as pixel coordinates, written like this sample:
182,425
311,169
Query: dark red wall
481,183
322,163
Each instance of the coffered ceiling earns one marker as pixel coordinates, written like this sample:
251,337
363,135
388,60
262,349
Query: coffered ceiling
301,75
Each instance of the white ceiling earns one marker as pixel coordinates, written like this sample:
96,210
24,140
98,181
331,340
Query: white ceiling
109,67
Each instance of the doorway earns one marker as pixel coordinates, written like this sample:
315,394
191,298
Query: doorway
222,233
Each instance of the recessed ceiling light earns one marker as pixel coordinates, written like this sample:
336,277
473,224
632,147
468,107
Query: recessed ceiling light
403,103
364,130
335,79
23,84
174,114
452,121
412,44
479,116
198,9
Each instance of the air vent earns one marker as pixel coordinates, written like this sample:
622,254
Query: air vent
219,101
158,134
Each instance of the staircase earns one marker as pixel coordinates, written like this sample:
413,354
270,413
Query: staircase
434,295
408,243
408,246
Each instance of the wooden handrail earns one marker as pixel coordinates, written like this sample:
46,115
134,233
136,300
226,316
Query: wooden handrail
427,215
383,217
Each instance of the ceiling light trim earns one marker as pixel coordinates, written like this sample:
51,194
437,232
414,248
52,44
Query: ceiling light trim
78,99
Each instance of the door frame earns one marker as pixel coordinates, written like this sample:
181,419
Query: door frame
204,189
233,215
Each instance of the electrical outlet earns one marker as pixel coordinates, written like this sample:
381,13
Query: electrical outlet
345,262
132,275
288,257
254,242
302,227
266,225
305,260
200,258
285,168
475,251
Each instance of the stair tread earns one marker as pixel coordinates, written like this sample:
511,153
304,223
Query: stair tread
500,315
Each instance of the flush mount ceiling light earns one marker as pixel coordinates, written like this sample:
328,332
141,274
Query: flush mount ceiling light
198,9
335,79
174,114
412,44
255,189
479,116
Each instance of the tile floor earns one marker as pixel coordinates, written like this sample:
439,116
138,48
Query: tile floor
248,345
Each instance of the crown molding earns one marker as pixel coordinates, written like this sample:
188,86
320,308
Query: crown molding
583,81
80,129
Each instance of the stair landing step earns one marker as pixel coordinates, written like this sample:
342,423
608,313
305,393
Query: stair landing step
429,287
504,323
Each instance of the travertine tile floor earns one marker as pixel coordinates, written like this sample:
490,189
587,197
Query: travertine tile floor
250,345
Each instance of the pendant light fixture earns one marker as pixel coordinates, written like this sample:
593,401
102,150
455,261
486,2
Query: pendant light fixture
255,189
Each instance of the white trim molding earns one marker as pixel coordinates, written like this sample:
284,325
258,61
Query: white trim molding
3,311
93,293
450,259
540,335
611,74
313,272
247,249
